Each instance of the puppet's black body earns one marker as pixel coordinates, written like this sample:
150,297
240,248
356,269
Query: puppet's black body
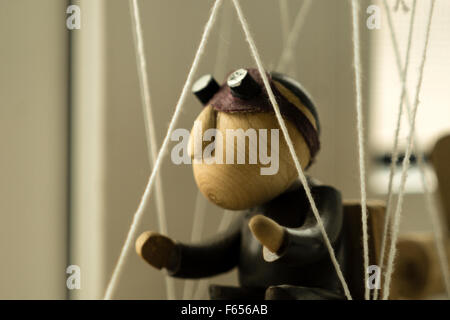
302,269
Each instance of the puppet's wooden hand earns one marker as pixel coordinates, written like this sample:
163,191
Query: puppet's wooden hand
155,248
267,231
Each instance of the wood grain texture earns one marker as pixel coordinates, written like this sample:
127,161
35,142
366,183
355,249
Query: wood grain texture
241,186
267,231
440,158
354,273
154,248
417,272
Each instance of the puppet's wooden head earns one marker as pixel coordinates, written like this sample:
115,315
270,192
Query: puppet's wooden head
240,156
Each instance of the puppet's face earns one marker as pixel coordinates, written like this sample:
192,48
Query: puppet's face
233,185
239,154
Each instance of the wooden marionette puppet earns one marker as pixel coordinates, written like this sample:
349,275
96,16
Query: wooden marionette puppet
276,244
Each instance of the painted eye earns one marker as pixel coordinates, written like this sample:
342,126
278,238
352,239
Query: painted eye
205,88
243,85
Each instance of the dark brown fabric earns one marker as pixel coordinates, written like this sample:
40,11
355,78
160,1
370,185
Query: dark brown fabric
224,101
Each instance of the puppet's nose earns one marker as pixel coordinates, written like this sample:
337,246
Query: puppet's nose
205,120
205,88
243,85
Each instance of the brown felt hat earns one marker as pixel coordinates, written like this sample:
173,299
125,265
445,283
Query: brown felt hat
245,92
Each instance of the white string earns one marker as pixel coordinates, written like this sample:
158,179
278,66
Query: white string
149,126
394,159
282,124
146,196
406,161
361,151
223,47
288,50
284,17
404,6
284,20
439,238
436,218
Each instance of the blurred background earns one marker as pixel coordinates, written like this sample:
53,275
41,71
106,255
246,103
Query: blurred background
74,162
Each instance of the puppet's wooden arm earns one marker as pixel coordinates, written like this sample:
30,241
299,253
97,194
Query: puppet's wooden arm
302,245
216,255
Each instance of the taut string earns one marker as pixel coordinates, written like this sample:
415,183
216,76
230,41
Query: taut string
146,196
